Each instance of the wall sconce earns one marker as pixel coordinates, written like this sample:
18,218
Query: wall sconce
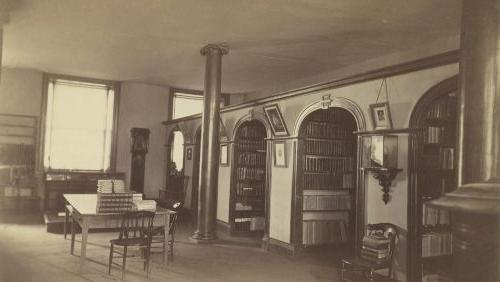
381,158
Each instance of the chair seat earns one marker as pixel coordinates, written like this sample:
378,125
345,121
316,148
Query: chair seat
130,242
368,264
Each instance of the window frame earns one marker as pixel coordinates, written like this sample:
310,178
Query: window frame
173,91
47,77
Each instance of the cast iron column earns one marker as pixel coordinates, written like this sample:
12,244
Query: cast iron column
209,158
475,205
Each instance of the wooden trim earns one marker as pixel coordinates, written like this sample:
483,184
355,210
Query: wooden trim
116,125
281,247
407,67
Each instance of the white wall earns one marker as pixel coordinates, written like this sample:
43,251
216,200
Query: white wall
143,106
21,92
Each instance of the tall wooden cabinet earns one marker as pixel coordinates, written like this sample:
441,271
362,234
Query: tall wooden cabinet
248,189
326,178
435,175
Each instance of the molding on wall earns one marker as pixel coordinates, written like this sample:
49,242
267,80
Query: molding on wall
407,67
281,247
252,115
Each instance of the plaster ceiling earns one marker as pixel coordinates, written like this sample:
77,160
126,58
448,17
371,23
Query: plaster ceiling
270,42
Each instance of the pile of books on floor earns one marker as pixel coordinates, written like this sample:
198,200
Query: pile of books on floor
145,205
376,247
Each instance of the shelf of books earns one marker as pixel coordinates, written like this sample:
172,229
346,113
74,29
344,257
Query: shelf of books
248,189
437,176
328,177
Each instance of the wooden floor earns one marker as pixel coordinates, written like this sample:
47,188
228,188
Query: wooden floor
29,253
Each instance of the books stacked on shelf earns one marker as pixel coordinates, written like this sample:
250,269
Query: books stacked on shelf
250,132
249,224
339,201
434,134
436,243
316,232
326,130
375,247
329,148
441,110
435,277
114,202
145,205
315,164
243,207
251,145
329,181
252,159
433,216
250,189
446,157
250,173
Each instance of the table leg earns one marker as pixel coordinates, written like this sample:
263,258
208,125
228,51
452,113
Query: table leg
72,235
83,249
165,242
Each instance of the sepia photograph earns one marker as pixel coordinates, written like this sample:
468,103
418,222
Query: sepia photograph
231,140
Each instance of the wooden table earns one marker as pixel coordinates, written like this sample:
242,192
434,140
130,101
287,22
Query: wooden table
85,214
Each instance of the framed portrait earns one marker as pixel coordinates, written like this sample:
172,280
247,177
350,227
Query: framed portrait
279,154
381,116
275,119
224,157
189,154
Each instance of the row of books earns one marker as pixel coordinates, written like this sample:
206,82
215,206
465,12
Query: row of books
249,224
436,244
433,216
435,277
326,130
375,247
250,131
330,148
250,173
329,181
111,186
442,110
444,160
250,189
325,164
324,232
114,202
251,145
17,154
326,202
434,134
253,159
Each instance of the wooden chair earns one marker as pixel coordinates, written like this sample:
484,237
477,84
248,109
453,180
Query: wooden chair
68,214
367,265
159,233
135,231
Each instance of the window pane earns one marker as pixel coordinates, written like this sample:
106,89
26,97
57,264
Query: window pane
178,150
79,126
187,104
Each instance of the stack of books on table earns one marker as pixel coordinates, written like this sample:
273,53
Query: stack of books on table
119,186
104,186
114,202
375,248
145,205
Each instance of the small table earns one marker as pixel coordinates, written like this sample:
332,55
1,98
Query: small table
85,214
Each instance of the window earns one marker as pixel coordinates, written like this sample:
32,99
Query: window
79,125
190,102
177,151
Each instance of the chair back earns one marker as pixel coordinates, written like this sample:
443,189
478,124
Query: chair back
174,216
387,230
136,224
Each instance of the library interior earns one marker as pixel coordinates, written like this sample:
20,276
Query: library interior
250,140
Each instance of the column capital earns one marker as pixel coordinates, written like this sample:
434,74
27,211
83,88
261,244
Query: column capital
214,48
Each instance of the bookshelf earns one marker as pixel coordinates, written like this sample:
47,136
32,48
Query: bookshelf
247,214
326,178
436,175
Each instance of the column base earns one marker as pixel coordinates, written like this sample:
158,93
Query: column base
209,238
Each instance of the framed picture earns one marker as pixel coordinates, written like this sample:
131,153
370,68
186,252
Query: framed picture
279,154
189,154
275,119
381,116
224,158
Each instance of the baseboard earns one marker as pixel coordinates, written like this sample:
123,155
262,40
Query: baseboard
281,247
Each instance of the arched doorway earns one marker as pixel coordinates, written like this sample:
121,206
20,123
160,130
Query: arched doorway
432,172
326,180
247,213
175,181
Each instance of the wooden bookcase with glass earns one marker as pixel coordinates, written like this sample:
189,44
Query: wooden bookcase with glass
327,156
436,176
249,180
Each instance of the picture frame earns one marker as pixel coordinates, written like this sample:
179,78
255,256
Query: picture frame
275,119
224,155
279,154
189,154
381,116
